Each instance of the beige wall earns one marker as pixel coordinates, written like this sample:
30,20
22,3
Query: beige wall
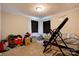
14,24
17,24
72,26
0,21
0,25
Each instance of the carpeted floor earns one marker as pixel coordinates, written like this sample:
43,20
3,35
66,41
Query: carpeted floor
34,49
30,50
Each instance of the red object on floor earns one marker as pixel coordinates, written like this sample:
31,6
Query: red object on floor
10,41
1,47
16,41
19,42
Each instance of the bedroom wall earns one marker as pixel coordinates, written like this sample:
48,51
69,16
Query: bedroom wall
14,24
0,21
0,25
72,26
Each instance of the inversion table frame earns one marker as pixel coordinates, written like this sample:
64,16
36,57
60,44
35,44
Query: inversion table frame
52,41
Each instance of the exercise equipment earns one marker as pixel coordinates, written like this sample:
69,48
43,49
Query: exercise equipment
53,40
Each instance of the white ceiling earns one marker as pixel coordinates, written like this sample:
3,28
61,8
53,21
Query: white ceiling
30,8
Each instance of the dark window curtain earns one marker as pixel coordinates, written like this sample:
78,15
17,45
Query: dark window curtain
34,26
46,27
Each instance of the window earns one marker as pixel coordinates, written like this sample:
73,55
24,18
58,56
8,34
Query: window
34,26
46,27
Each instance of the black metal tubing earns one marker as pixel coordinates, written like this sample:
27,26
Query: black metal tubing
56,31
64,42
73,50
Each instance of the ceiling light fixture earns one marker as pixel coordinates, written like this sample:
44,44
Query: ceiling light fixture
39,9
